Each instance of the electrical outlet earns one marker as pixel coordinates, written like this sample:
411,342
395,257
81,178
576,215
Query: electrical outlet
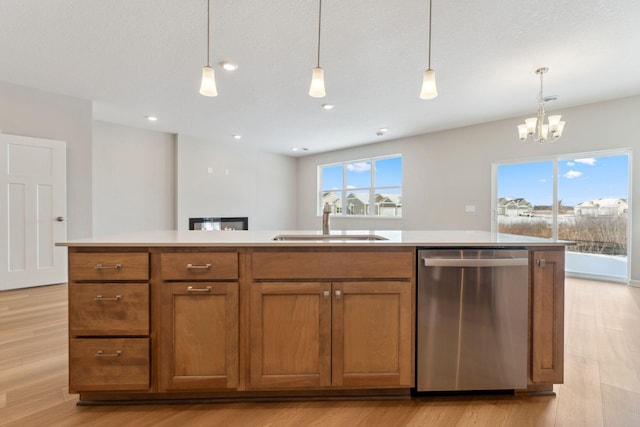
469,208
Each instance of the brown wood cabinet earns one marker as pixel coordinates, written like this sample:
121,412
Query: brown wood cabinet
199,321
109,345
332,333
222,322
547,316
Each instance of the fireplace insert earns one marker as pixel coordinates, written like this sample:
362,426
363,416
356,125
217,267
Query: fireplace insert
219,223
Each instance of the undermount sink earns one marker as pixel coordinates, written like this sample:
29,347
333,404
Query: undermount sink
293,237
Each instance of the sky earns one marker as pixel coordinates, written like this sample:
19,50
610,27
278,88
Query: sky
579,180
388,172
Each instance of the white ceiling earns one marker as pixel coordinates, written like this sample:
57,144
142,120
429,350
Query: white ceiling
134,58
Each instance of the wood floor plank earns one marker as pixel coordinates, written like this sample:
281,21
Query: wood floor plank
615,360
622,407
579,398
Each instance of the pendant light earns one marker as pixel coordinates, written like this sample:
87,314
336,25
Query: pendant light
208,84
317,78
429,90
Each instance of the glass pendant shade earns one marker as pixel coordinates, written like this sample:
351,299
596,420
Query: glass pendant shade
545,132
554,122
531,124
317,83
429,90
522,132
208,85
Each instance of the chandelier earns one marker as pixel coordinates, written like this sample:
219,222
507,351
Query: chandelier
534,128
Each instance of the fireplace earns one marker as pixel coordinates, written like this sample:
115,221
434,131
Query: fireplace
218,223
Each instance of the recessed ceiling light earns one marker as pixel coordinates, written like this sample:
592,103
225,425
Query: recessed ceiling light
328,106
236,136
152,118
299,149
229,66
381,131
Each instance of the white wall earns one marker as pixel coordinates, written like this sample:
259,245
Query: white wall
133,180
447,170
32,112
242,182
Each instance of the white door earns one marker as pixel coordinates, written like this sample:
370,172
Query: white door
32,213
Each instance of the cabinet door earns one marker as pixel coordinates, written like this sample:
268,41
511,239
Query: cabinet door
547,326
372,334
199,336
290,335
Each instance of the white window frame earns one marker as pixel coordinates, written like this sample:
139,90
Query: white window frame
555,159
371,188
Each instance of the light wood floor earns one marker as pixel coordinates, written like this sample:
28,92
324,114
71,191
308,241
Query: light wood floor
602,377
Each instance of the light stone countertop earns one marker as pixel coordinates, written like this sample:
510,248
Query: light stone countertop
264,238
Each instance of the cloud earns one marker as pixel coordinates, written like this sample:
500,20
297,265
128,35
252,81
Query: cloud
570,164
359,167
572,174
543,180
588,161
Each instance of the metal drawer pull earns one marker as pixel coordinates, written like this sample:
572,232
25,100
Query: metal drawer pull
108,267
101,298
101,354
192,289
196,266
541,262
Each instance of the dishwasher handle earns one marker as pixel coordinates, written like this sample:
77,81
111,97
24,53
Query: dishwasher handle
475,262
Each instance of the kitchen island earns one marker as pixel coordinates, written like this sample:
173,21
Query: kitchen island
197,315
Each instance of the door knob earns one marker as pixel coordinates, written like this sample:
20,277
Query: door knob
60,219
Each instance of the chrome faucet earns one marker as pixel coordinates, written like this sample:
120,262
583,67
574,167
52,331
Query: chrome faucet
325,218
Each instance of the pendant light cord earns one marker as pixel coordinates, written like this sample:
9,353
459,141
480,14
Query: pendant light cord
208,31
319,26
430,7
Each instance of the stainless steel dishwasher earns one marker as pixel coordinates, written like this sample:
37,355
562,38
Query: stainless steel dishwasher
472,319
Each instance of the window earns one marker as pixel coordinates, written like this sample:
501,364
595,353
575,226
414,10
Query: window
580,197
367,187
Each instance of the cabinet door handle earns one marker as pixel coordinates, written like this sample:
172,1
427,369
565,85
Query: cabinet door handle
338,293
198,267
108,267
326,294
541,262
100,298
192,289
101,354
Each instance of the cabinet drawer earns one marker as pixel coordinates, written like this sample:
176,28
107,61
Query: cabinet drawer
332,265
199,266
108,309
108,364
109,266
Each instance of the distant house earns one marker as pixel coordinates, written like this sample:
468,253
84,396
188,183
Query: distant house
357,203
602,207
334,201
509,206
